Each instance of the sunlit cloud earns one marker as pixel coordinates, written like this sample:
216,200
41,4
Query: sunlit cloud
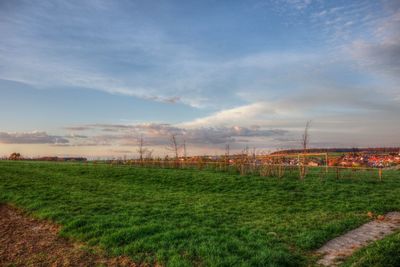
252,73
31,138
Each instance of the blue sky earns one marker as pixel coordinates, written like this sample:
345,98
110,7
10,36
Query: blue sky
88,77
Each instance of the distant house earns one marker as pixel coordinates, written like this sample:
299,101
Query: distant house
313,163
345,164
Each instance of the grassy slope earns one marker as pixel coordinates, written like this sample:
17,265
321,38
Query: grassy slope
184,217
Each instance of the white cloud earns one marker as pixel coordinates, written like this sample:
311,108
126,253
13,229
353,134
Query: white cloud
243,115
381,53
275,90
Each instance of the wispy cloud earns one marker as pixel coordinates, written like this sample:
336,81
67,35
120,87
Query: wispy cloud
31,138
94,54
77,128
382,52
285,62
159,134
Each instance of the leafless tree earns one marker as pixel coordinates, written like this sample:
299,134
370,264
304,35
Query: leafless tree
173,145
149,154
227,150
305,140
142,150
184,149
245,151
306,137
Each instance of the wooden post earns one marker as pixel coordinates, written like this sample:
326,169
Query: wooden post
380,174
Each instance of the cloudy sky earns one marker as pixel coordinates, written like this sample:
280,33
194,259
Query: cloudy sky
89,77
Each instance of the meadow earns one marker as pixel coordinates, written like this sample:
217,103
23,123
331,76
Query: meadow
204,218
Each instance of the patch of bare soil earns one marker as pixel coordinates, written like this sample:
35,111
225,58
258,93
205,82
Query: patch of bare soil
25,241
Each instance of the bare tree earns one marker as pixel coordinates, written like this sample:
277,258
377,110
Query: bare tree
142,150
306,137
245,151
173,145
184,149
227,151
149,154
305,140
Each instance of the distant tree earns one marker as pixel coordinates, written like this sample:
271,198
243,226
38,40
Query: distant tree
149,154
245,151
142,150
306,137
354,150
227,151
305,141
254,153
184,149
15,156
173,146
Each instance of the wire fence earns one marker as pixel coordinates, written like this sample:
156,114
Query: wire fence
300,171
263,169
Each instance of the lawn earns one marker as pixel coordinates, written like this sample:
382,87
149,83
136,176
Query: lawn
385,253
189,217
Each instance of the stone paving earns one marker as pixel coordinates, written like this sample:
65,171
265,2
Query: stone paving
336,250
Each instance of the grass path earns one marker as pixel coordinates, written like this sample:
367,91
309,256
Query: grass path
336,250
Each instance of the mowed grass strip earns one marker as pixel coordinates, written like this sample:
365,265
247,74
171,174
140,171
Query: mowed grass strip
189,217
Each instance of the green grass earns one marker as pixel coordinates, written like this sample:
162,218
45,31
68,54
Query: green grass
188,217
384,253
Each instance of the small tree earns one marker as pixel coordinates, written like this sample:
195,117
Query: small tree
142,150
253,154
15,156
227,150
184,149
305,140
149,154
306,137
173,146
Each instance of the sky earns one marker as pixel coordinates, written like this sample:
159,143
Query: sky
88,78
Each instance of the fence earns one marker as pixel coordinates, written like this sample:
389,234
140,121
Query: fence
246,167
300,171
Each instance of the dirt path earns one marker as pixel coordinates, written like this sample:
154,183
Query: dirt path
343,246
25,241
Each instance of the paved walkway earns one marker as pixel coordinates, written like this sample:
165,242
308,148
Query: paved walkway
336,250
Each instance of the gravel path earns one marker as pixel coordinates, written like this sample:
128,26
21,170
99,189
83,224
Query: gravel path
336,250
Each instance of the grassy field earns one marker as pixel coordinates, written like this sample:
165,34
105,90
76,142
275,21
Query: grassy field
187,217
385,253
